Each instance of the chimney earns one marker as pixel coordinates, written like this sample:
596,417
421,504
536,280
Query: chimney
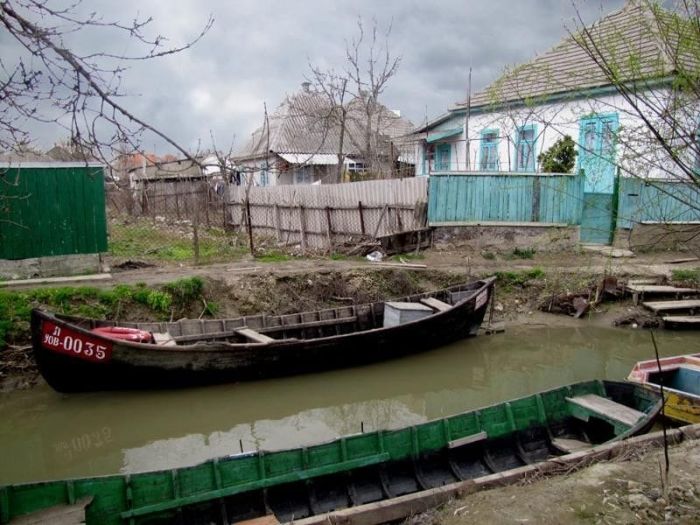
306,86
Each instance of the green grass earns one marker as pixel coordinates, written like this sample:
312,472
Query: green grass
145,240
518,278
172,299
521,253
689,276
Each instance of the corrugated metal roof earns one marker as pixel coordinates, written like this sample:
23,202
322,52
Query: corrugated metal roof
304,124
628,38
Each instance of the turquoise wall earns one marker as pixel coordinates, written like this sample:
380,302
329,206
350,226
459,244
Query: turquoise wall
482,197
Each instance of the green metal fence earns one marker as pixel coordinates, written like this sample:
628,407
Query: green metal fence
51,209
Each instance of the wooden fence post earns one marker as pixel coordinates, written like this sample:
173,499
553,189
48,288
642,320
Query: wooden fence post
277,223
302,229
251,244
195,232
329,230
362,218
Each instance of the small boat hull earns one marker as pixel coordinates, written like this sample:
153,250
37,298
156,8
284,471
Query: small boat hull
680,376
355,469
72,357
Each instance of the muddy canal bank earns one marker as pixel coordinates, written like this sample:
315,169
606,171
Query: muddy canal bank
520,293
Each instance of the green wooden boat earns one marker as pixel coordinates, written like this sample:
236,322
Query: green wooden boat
352,470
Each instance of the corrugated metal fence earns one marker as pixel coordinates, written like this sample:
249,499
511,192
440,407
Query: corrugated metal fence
657,201
315,216
52,210
505,197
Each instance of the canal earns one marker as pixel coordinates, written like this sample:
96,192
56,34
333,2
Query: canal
45,435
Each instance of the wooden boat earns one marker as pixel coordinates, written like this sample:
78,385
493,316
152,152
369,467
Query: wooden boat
355,469
681,380
76,354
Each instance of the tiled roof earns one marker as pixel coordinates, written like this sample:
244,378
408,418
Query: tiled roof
629,38
301,125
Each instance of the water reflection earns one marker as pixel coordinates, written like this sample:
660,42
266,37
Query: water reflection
45,435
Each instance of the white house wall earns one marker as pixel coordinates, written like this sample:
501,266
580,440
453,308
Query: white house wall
552,121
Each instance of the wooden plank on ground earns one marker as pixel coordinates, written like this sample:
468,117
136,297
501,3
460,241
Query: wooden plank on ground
58,515
608,408
254,336
663,306
656,288
682,319
681,261
436,304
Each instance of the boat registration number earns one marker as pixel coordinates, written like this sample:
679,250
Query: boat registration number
481,299
63,340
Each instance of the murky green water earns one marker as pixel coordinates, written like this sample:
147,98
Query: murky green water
45,435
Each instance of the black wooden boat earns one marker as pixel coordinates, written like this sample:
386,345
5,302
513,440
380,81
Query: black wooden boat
76,354
352,470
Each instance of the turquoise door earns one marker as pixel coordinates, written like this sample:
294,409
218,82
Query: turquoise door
597,160
442,157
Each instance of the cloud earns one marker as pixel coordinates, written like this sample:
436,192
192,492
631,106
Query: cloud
258,51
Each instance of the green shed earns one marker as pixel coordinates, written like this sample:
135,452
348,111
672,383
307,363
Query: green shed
51,208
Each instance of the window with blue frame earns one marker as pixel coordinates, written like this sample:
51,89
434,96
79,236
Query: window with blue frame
488,160
525,148
443,152
264,179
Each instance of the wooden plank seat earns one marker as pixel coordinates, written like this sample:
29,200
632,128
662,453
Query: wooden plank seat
568,445
59,515
474,438
254,336
604,408
435,304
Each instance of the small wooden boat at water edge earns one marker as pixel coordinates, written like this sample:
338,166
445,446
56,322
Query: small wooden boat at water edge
76,354
680,376
356,469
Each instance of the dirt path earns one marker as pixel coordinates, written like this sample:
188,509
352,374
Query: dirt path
453,261
625,491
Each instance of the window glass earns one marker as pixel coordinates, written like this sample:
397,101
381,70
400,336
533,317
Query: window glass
525,149
489,151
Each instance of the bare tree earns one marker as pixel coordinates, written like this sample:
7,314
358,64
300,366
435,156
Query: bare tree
52,82
333,87
370,66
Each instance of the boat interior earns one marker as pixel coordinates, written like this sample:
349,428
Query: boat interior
304,325
683,378
481,457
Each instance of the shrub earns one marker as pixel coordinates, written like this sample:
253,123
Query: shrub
560,158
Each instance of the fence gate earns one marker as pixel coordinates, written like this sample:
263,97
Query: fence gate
597,160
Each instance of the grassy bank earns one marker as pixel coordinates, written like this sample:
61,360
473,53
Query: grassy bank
180,298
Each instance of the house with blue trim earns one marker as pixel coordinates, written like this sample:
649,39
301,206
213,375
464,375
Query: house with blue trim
501,131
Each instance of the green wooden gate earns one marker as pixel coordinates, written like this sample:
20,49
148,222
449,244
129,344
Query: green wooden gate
51,209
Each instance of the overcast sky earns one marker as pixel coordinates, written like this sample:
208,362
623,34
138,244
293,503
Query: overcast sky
258,51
